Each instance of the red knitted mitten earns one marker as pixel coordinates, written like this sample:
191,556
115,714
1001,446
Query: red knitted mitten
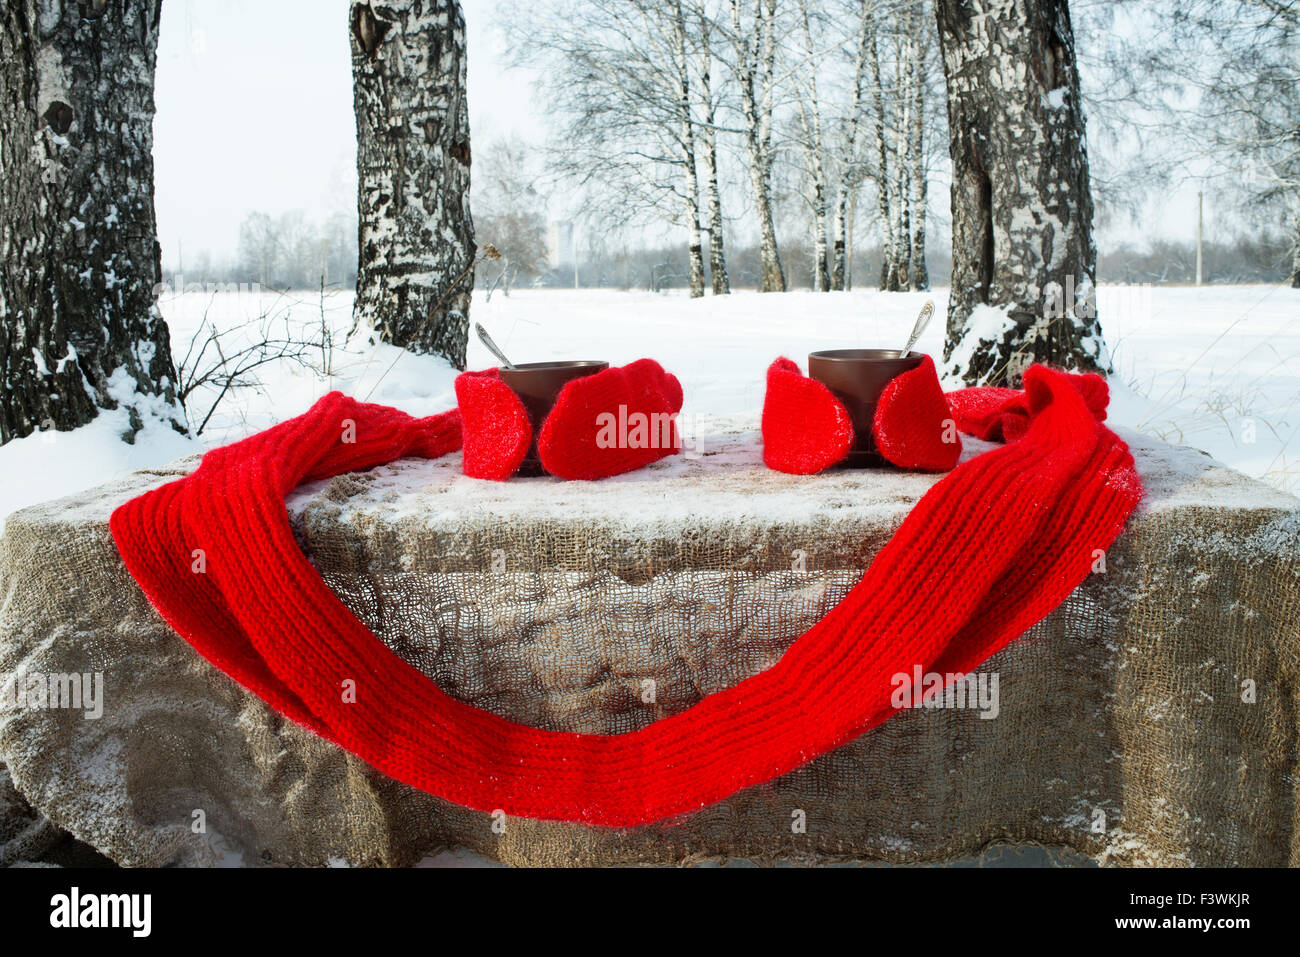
805,428
913,427
612,422
495,425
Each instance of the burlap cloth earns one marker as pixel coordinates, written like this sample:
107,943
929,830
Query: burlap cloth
1127,728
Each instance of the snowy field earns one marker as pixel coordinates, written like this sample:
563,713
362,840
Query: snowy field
1217,367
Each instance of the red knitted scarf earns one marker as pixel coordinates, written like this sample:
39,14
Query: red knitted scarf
987,552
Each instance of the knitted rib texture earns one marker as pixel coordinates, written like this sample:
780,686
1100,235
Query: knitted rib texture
988,551
495,424
996,414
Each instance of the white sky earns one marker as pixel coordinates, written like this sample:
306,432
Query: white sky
254,101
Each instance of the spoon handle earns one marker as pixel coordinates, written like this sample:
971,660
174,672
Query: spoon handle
492,347
923,320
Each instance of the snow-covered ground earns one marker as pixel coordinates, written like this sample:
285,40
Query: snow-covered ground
1216,367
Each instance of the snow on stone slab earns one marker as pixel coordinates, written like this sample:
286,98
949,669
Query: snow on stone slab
1215,367
720,481
723,480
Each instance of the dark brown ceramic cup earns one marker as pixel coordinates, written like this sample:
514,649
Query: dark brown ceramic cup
857,377
538,385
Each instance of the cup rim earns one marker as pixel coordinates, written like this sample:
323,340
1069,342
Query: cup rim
549,366
864,355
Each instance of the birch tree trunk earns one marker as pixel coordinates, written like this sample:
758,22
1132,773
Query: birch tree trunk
848,240
920,184
756,65
850,175
80,329
413,168
690,168
839,234
709,155
717,245
1021,199
883,177
903,155
811,120
821,253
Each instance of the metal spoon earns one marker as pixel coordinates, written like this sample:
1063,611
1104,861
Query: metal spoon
923,320
492,347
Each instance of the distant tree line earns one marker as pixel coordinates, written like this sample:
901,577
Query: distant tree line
1210,90
1266,257
668,267
284,251
289,251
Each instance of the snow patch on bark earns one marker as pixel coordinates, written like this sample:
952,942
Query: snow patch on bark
987,326
51,78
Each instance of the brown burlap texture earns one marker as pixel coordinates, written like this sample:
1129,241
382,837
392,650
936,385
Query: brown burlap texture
1126,728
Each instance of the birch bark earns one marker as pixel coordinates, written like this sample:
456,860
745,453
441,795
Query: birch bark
80,330
709,155
920,184
690,168
755,44
903,154
413,171
1021,197
810,110
850,169
884,181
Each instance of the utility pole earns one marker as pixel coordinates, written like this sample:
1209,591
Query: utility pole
1200,211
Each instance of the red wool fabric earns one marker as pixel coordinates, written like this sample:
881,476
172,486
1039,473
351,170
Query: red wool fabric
996,414
993,547
495,424
913,426
640,399
805,428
